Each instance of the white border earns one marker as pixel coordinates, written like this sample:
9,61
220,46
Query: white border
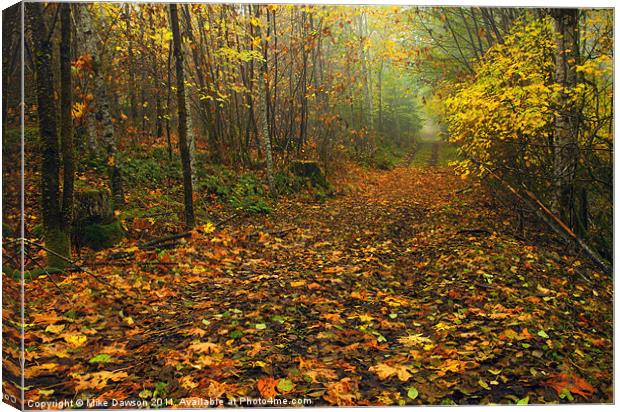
524,3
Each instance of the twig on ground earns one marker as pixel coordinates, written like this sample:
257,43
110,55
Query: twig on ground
70,261
474,231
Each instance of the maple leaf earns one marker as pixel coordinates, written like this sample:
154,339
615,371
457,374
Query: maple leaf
75,340
55,328
572,382
196,331
455,365
42,369
188,383
257,347
342,393
97,380
205,347
267,387
216,389
414,340
366,318
315,370
385,371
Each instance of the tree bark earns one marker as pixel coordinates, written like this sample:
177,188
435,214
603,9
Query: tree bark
190,220
567,120
133,111
202,84
66,121
262,91
89,40
56,234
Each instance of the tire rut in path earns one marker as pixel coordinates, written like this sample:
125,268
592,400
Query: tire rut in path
434,159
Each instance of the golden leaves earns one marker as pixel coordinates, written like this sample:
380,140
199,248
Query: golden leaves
188,383
57,328
48,368
78,111
342,393
75,340
205,347
97,380
415,340
456,366
385,371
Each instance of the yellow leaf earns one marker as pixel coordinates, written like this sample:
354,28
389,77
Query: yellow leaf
55,328
366,318
385,371
208,228
75,340
415,340
188,383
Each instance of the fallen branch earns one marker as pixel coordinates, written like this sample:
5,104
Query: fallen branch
273,233
166,239
51,279
584,246
66,259
466,189
125,263
154,242
554,223
474,232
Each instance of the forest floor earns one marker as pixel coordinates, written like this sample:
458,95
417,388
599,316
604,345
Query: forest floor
411,289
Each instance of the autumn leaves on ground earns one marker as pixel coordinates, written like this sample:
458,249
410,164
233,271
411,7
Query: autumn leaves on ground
412,289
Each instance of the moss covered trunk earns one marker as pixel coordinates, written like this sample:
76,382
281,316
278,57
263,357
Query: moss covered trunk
58,241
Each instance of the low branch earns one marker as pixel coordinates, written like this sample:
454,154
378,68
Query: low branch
66,259
555,223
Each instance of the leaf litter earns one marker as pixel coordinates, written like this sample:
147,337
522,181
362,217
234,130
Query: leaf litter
372,298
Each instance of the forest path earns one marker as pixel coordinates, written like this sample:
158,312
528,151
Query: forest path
413,280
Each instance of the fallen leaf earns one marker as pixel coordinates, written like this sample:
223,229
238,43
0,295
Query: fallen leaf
75,340
571,382
342,393
385,371
267,387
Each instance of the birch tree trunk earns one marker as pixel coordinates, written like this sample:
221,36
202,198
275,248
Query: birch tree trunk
262,91
567,121
89,41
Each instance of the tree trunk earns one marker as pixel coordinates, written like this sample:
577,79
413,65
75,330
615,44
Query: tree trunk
262,91
202,84
66,121
56,234
567,120
168,100
133,111
182,110
88,39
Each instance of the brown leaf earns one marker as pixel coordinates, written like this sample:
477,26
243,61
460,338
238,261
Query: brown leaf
574,383
385,371
342,393
267,387
97,380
